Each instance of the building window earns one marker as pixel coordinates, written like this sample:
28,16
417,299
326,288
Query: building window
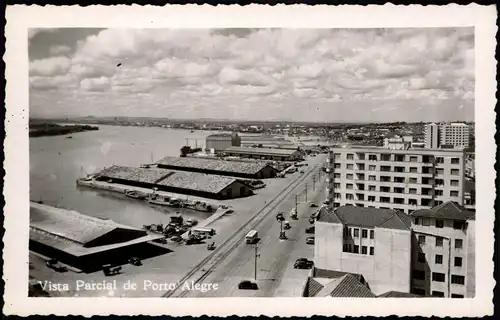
437,294
356,232
438,277
418,291
371,198
337,155
454,172
356,249
349,176
458,262
413,180
372,188
454,295
439,182
349,166
372,178
418,275
439,223
364,250
421,239
337,166
439,160
439,241
458,225
455,161
413,158
426,222
344,249
337,176
417,221
372,251
438,192
413,170
372,234
458,243
336,185
438,259
421,257
350,156
455,279
349,196
453,193
364,233
413,191
372,167
440,171
349,185
372,157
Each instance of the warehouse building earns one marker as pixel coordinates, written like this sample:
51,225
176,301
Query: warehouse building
219,142
265,153
85,242
189,183
240,169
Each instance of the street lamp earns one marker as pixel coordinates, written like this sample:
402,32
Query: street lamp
257,255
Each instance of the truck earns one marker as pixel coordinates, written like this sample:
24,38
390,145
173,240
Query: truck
252,237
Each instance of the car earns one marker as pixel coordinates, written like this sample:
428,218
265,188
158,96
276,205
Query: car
55,265
303,263
135,261
310,229
313,205
286,225
229,211
247,285
312,220
310,240
301,171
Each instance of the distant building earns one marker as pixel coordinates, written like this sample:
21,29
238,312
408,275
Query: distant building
396,179
398,142
375,243
432,136
447,135
265,153
239,169
444,256
222,141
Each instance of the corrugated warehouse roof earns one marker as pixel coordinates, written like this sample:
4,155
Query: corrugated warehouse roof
448,210
197,181
365,217
345,286
263,151
72,226
135,174
397,294
213,164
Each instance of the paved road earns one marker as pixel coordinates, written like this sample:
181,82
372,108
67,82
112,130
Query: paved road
275,273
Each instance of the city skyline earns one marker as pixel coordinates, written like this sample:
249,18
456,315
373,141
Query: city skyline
309,75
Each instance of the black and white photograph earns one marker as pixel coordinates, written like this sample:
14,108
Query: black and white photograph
245,162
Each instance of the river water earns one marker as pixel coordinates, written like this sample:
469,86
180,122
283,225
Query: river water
56,162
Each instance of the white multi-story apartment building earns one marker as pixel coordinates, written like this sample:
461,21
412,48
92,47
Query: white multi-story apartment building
455,135
406,180
428,253
443,259
432,136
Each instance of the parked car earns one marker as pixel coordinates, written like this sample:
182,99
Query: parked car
229,211
135,261
55,265
313,205
247,285
303,263
310,229
310,240
312,220
286,225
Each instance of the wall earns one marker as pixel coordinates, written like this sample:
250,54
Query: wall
392,261
470,264
328,246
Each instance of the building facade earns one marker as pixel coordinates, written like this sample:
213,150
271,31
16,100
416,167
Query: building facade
398,142
428,253
406,180
375,243
447,135
219,142
443,259
454,134
431,136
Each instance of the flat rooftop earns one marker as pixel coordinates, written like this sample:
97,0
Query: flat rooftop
263,151
213,164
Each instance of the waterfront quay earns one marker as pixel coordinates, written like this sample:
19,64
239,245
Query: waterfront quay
181,259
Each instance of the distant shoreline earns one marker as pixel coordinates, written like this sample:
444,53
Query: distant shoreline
52,129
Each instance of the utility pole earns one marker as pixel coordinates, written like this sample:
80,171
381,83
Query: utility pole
314,182
306,192
255,265
296,204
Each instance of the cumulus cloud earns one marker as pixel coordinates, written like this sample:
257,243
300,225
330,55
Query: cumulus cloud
277,70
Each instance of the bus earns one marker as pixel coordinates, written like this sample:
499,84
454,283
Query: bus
252,237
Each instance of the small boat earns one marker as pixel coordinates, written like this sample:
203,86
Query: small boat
135,195
69,137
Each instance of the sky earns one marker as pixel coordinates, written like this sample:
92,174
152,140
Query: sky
317,75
